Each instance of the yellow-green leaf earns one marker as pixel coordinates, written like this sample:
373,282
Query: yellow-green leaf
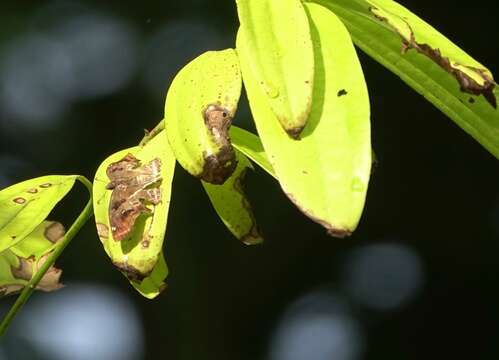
139,255
326,173
232,206
200,105
277,49
25,205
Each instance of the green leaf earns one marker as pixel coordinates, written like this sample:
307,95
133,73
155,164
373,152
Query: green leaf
20,262
278,51
138,256
25,205
326,173
427,61
231,204
200,105
251,146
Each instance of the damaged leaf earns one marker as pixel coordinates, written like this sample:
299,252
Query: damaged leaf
137,214
231,204
326,173
427,61
20,262
200,105
278,51
25,205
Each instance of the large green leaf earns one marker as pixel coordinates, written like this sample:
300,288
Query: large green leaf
25,205
231,204
427,61
139,256
279,53
200,105
326,173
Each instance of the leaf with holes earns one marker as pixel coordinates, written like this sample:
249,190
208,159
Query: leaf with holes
326,173
426,60
278,51
132,191
20,262
200,105
25,205
232,206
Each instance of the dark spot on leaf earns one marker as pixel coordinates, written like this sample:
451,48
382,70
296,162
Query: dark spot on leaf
342,92
130,271
19,200
13,237
32,191
307,82
471,100
46,185
145,244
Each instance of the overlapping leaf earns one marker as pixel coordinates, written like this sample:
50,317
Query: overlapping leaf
139,256
231,204
278,51
427,61
200,105
325,173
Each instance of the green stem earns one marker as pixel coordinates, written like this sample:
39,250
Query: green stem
31,285
150,134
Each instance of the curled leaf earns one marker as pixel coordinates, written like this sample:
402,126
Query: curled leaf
200,105
277,48
231,204
132,191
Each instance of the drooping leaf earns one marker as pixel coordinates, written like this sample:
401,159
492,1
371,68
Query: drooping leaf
427,61
20,262
25,205
277,48
251,146
326,173
139,255
232,206
200,105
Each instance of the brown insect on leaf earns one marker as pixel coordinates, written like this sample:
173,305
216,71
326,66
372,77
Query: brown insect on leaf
134,187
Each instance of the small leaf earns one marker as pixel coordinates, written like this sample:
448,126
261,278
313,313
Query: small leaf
231,204
200,105
251,146
25,205
278,52
19,263
139,255
427,61
326,173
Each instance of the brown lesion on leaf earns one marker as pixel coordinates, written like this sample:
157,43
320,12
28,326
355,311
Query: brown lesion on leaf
49,282
130,271
46,185
54,232
102,230
32,191
19,200
466,83
342,92
219,166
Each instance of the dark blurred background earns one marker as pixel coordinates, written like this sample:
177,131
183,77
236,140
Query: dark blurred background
417,280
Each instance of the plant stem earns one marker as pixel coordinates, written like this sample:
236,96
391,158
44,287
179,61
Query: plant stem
31,285
150,134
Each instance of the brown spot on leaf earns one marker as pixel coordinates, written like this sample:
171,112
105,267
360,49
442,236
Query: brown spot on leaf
218,166
32,191
46,185
466,83
342,92
54,232
130,271
471,100
19,200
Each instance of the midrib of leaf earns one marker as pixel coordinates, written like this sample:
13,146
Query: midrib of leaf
416,77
